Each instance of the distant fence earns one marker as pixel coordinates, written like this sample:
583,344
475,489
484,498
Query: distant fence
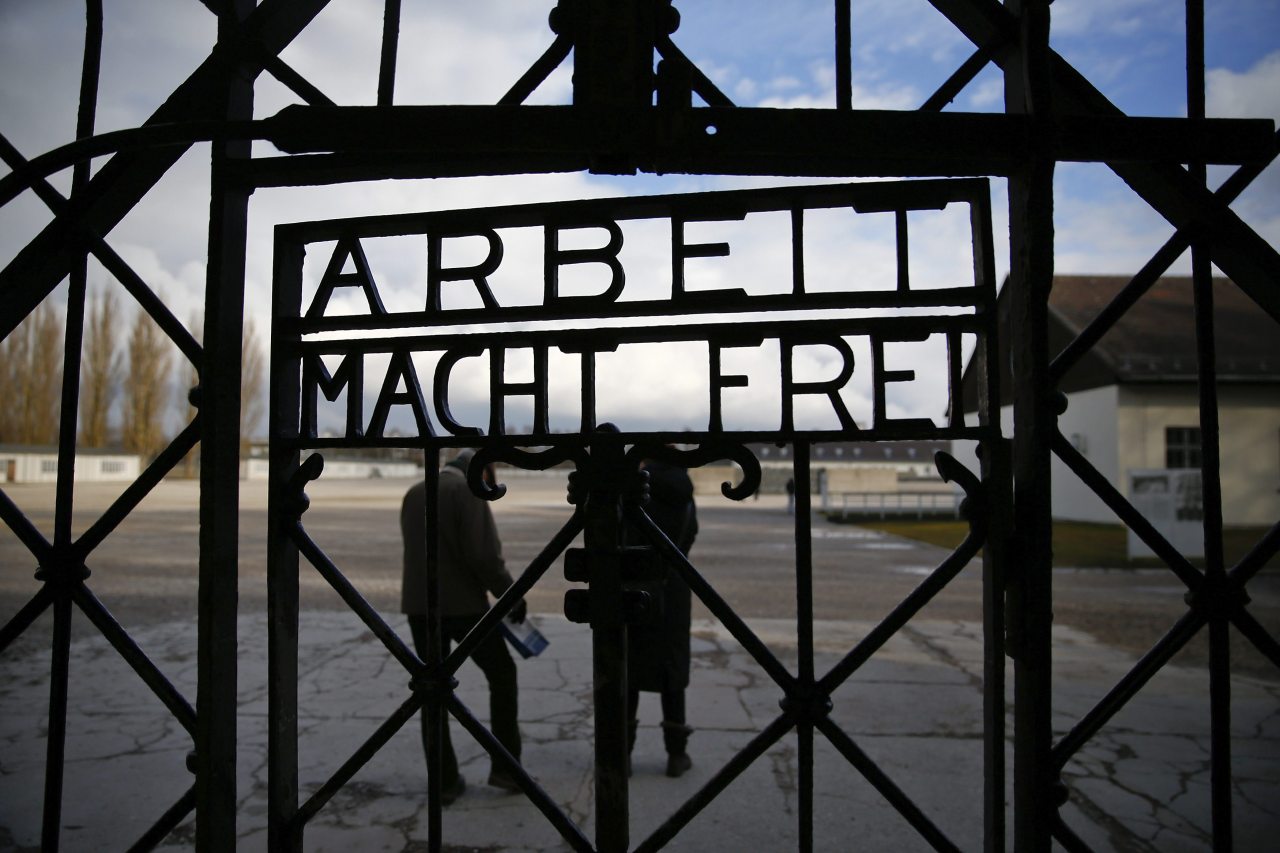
892,505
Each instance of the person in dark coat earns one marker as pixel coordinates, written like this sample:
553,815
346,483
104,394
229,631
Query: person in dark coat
658,654
471,569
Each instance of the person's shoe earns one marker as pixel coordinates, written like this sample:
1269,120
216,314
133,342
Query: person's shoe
675,737
450,791
505,781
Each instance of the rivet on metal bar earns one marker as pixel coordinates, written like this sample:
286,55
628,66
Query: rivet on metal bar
60,572
807,705
432,686
1218,597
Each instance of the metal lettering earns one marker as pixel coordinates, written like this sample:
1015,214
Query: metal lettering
334,277
400,370
554,258
477,274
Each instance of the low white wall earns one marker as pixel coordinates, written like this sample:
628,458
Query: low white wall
42,467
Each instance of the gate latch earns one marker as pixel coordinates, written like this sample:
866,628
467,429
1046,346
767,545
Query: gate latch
639,572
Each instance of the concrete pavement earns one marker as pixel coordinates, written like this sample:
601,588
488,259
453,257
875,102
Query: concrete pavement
915,708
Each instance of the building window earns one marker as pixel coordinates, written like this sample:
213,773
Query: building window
112,466
1182,447
48,466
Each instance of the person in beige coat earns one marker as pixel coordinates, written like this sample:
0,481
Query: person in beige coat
471,569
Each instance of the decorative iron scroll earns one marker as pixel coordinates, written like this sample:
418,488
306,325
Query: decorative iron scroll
368,347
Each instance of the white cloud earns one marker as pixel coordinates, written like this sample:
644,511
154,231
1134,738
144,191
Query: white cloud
1110,17
1254,93
820,92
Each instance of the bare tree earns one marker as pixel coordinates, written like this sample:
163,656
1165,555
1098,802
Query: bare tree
191,462
252,383
100,372
146,388
31,378
13,370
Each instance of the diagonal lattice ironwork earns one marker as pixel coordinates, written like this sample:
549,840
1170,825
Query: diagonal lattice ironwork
1013,36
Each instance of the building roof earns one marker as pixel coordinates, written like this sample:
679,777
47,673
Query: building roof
1154,341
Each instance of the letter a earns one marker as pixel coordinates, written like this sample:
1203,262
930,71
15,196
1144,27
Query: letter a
361,277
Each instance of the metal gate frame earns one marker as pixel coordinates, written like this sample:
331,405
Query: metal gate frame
606,485
1052,114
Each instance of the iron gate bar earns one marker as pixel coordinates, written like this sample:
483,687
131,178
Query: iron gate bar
26,615
296,83
1253,562
1126,512
1211,471
1066,836
699,82
863,197
381,736
1142,281
885,329
56,733
219,404
168,822
177,449
949,297
1029,91
109,259
803,537
885,786
27,532
1249,626
844,55
538,72
717,606
60,574
390,42
133,655
806,701
541,800
716,785
122,141
947,570
994,461
436,717
123,181
963,76
311,469
350,596
487,623
1250,262
424,141
1187,626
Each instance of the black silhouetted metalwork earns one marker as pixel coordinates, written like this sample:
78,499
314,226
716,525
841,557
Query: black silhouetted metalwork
1053,114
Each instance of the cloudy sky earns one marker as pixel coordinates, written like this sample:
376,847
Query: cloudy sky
769,53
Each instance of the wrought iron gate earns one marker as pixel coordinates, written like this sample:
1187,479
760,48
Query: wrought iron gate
606,485
615,124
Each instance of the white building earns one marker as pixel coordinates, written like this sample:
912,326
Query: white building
21,463
1133,401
